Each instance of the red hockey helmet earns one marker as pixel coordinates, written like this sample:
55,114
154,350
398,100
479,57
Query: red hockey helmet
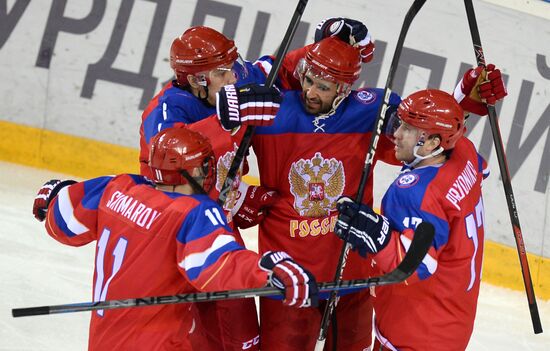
176,149
435,112
333,60
200,49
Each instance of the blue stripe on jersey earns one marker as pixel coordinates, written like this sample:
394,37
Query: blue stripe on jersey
93,190
482,166
139,179
402,203
176,105
213,257
356,114
183,107
253,74
202,220
423,272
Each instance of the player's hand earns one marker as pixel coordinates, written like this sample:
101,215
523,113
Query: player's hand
348,30
252,204
251,104
45,195
480,86
359,225
298,284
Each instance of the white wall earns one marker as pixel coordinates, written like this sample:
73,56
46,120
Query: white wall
49,55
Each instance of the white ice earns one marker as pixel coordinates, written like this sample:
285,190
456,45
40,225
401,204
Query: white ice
35,270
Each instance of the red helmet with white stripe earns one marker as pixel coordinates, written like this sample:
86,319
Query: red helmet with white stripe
175,150
435,112
333,60
200,49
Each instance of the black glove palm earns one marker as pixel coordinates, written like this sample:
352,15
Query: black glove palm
359,225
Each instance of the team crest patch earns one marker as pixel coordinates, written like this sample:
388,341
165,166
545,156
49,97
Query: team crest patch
222,168
316,184
407,180
365,97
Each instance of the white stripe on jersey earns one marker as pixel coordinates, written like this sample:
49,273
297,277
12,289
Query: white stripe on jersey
429,261
199,258
67,212
387,344
266,66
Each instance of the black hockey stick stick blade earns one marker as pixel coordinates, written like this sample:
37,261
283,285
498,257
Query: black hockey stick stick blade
421,243
422,240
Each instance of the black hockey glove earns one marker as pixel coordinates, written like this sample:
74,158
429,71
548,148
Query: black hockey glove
359,225
348,30
298,284
45,195
251,104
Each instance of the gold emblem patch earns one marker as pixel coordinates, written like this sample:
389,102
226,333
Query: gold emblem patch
222,168
316,185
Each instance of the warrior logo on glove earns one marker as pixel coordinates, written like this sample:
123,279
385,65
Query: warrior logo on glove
232,103
251,104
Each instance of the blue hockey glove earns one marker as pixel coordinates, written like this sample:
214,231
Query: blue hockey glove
348,30
359,225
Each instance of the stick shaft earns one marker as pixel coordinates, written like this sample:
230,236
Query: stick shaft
331,305
249,133
506,179
420,244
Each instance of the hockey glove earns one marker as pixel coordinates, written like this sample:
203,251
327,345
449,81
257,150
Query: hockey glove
45,195
359,225
480,86
348,30
251,104
298,284
252,204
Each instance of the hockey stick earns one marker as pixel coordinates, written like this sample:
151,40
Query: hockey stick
331,304
249,133
420,244
506,179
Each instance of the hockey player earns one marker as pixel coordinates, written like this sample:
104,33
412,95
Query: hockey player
160,237
440,183
312,155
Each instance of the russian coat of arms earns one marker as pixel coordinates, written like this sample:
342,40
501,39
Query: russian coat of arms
316,184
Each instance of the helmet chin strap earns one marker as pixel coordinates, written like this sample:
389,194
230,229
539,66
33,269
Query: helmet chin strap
418,158
203,81
335,103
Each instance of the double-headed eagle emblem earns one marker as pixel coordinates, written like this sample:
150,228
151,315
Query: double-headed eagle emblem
316,185
222,168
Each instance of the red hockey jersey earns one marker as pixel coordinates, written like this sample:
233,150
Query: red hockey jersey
435,308
312,161
149,243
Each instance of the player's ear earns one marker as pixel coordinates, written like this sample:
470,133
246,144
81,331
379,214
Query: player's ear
193,81
433,142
